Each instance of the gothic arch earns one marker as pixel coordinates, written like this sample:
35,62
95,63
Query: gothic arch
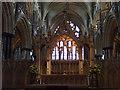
16,41
8,17
65,44
58,37
67,35
59,22
53,5
24,31
70,34
109,29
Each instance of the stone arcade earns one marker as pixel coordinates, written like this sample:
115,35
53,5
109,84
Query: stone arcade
63,39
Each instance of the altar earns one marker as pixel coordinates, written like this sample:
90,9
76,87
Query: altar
64,79
60,81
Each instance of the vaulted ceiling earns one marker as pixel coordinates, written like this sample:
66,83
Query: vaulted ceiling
79,13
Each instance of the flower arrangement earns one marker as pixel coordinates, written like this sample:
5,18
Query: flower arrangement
33,69
95,69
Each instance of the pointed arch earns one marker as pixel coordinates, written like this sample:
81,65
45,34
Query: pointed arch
65,48
24,31
109,29
8,17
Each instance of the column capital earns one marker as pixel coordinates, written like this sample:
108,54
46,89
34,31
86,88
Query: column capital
107,48
27,49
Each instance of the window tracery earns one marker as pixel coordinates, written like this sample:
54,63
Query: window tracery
74,28
65,49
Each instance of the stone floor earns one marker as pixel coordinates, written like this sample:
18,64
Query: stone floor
64,87
60,87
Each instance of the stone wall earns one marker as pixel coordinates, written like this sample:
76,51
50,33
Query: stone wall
111,73
14,73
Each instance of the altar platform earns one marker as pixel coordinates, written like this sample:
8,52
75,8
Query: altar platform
55,87
63,87
63,79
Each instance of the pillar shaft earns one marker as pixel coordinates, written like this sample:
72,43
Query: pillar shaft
80,55
48,61
48,66
114,49
91,55
80,67
91,46
38,58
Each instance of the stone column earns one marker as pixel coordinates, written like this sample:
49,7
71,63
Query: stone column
114,49
110,49
48,67
80,62
43,58
91,55
48,60
80,54
38,49
91,47
80,66
117,14
38,57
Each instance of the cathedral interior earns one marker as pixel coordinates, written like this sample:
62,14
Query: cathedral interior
60,44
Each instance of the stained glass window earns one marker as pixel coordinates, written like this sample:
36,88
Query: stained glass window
73,26
65,49
56,29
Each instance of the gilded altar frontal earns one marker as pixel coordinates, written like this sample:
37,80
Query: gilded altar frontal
60,45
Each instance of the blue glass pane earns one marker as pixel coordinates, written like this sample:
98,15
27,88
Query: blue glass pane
70,56
62,55
73,51
61,43
69,43
77,55
77,34
53,55
71,24
77,29
83,53
64,38
65,53
57,55
58,43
